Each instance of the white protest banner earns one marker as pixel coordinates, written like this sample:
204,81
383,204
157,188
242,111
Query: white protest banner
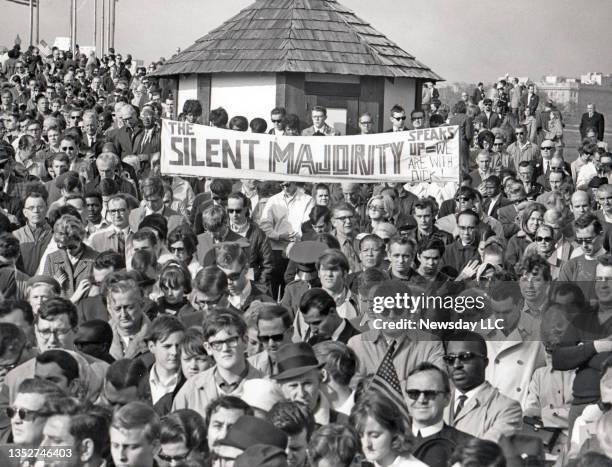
427,155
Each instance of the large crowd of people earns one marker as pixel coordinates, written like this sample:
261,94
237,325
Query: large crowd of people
153,320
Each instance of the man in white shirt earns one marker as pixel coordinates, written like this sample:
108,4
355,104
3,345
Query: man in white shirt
164,340
282,220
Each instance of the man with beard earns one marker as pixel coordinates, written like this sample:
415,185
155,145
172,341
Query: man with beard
72,264
318,311
477,408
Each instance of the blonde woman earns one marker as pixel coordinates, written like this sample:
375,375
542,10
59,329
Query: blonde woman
380,209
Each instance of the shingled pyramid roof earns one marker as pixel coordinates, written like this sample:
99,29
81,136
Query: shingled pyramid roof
304,36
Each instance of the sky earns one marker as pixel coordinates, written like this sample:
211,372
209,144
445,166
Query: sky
473,40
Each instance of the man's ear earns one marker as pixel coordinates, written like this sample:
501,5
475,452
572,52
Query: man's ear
151,345
86,450
324,376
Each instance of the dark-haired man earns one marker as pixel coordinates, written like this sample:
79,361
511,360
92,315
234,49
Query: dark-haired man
476,407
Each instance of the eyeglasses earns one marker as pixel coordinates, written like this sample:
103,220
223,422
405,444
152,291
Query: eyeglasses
114,212
417,118
463,357
519,132
23,414
365,123
67,148
272,337
428,394
47,333
234,211
74,117
462,199
547,148
544,239
208,303
344,218
231,342
585,240
175,458
280,120
400,118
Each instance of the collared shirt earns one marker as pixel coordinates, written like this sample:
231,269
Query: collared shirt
160,388
148,211
225,387
322,413
285,215
492,202
428,430
350,249
238,300
469,394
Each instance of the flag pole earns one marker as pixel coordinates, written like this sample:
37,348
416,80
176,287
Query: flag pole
31,22
74,26
103,29
95,26
38,21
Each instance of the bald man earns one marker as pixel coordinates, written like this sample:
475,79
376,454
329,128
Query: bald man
123,138
580,203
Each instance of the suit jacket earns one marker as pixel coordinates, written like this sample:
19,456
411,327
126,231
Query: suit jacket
327,130
499,203
58,261
174,218
533,103
124,186
488,414
151,145
86,144
137,346
493,120
597,121
435,450
107,239
123,140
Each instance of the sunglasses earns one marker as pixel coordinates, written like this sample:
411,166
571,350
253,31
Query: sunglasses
544,239
400,118
277,120
604,406
519,133
234,211
546,148
428,394
272,337
67,148
23,414
167,458
463,357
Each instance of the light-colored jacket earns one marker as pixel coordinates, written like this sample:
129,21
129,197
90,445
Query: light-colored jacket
488,414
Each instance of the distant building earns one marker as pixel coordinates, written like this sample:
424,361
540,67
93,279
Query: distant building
574,94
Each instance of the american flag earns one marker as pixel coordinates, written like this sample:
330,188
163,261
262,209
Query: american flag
386,382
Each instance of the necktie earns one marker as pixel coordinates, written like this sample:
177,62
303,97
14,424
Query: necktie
545,167
121,243
461,402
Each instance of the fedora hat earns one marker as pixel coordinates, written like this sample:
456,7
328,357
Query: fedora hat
249,430
294,360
